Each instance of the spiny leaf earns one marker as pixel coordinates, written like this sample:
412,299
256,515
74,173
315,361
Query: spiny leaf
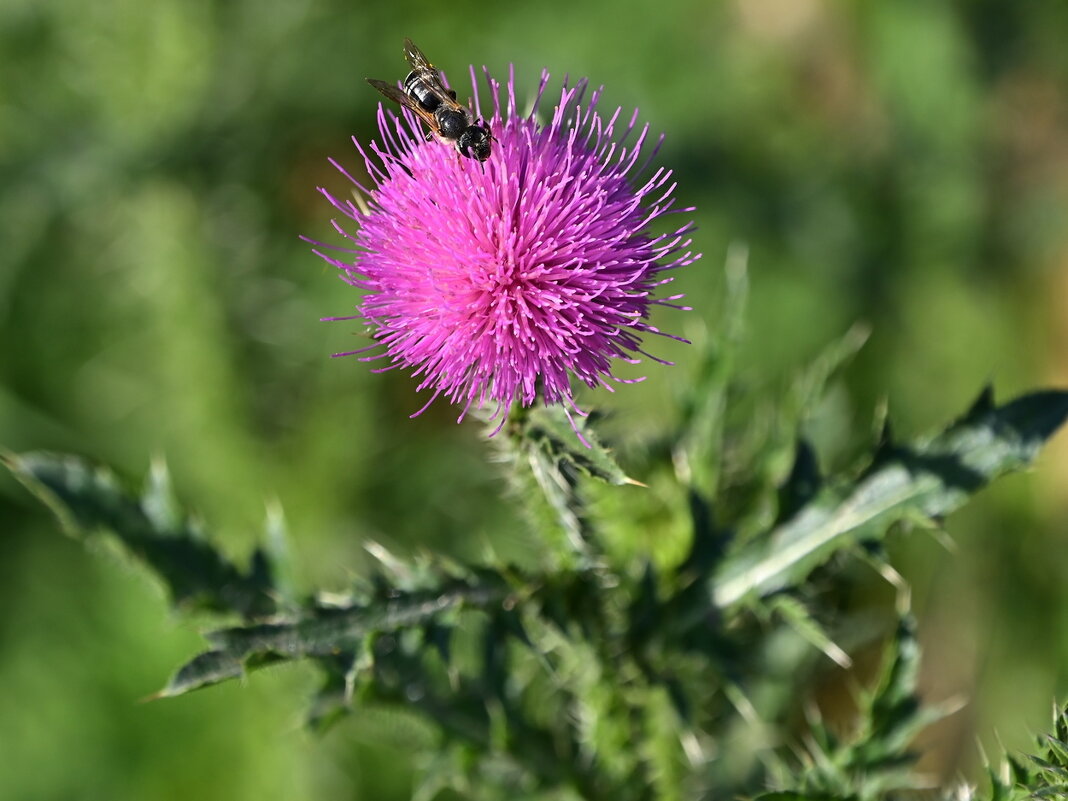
873,760
554,432
546,461
800,620
320,633
1041,775
210,667
334,698
88,498
892,712
928,479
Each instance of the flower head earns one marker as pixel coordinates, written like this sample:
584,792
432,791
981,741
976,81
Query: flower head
500,282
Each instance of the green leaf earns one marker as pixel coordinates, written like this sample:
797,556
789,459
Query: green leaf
334,698
794,613
927,480
874,759
551,430
547,459
1041,775
88,499
892,711
322,633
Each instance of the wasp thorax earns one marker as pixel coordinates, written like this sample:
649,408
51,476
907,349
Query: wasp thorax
452,123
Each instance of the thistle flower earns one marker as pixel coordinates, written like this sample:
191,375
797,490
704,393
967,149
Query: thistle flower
500,282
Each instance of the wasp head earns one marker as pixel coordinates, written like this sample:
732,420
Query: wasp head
475,141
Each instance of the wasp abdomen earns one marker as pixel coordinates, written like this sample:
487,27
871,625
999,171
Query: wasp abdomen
421,93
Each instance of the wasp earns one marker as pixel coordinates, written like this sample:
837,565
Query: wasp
425,93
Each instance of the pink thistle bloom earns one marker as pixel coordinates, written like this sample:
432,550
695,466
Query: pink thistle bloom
500,282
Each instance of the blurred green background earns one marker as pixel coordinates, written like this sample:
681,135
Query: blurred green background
902,163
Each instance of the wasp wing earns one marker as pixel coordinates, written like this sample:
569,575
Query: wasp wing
396,94
430,76
417,59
